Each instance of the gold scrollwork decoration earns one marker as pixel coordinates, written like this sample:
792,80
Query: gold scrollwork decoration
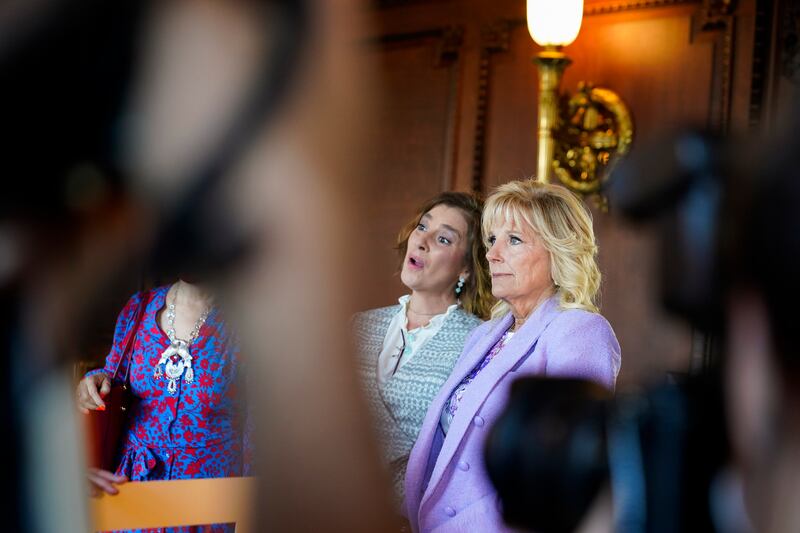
594,128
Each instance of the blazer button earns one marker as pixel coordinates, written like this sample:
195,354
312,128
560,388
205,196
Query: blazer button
449,511
463,465
478,421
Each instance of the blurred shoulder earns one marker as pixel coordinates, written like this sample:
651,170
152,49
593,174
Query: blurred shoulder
136,298
150,294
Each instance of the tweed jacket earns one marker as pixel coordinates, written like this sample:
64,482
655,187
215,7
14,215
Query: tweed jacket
446,486
399,406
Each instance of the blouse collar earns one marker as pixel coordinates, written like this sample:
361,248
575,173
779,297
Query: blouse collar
434,322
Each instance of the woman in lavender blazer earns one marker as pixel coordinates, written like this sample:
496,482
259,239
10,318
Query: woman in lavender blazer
541,253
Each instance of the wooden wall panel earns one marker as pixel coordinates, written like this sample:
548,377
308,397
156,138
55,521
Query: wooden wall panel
665,76
676,63
411,159
652,341
511,132
778,52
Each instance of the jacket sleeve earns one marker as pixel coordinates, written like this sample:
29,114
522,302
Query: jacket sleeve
248,443
580,344
124,324
246,393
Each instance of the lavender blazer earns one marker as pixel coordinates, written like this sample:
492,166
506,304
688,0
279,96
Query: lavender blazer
446,485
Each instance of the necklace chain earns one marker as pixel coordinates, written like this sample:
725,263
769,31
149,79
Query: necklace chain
422,314
408,307
171,320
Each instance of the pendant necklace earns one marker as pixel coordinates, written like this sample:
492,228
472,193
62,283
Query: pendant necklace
176,361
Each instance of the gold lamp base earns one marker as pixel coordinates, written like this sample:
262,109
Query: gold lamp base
580,137
551,63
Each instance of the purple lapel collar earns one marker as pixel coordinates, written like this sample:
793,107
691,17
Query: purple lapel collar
476,394
417,466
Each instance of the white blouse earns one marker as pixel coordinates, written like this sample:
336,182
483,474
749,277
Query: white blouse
400,344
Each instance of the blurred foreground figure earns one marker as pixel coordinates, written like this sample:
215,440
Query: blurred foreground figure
763,359
731,233
567,456
547,453
719,450
167,134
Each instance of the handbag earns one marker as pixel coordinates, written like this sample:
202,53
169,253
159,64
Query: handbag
105,428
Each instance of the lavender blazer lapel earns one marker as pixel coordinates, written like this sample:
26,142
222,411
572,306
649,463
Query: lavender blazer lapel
476,394
415,475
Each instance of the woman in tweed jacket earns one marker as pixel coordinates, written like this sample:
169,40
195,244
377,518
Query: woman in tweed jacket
407,351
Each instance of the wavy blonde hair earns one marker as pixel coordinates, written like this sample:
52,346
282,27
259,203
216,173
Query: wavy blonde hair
564,224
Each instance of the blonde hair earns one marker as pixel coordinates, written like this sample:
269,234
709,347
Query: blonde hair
564,224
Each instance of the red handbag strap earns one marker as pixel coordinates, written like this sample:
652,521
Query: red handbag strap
128,352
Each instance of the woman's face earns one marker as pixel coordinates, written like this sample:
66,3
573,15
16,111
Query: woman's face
436,251
520,266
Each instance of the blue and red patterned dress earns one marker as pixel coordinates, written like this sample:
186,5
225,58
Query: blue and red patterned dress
198,432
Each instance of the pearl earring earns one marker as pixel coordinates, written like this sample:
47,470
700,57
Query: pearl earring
460,284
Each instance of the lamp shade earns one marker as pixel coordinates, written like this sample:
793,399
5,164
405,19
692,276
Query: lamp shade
554,22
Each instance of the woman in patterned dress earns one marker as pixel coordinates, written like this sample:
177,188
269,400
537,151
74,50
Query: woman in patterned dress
187,421
406,351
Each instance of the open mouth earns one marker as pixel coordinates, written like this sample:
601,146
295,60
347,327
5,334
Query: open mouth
415,262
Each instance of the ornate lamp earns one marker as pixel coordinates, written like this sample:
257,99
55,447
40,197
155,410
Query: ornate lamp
580,136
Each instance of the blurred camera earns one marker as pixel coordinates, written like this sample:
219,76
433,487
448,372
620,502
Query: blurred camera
562,443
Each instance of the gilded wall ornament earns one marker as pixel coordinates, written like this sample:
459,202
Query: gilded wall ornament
594,128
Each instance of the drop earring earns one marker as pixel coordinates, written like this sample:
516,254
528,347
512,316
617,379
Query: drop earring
460,284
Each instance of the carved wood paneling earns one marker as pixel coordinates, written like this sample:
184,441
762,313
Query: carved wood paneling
601,7
494,39
716,13
447,42
383,4
450,41
675,62
777,91
716,18
762,42
789,42
412,156
668,83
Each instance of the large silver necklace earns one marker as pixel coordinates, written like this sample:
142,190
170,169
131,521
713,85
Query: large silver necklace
176,361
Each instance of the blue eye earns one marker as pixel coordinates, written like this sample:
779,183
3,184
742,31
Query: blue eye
491,240
421,227
444,240
515,240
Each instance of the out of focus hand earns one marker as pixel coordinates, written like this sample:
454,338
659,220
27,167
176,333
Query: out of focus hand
103,481
91,390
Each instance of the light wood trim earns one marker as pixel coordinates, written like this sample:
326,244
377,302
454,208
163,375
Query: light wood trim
176,503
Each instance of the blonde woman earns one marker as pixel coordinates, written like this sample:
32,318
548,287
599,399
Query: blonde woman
541,253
